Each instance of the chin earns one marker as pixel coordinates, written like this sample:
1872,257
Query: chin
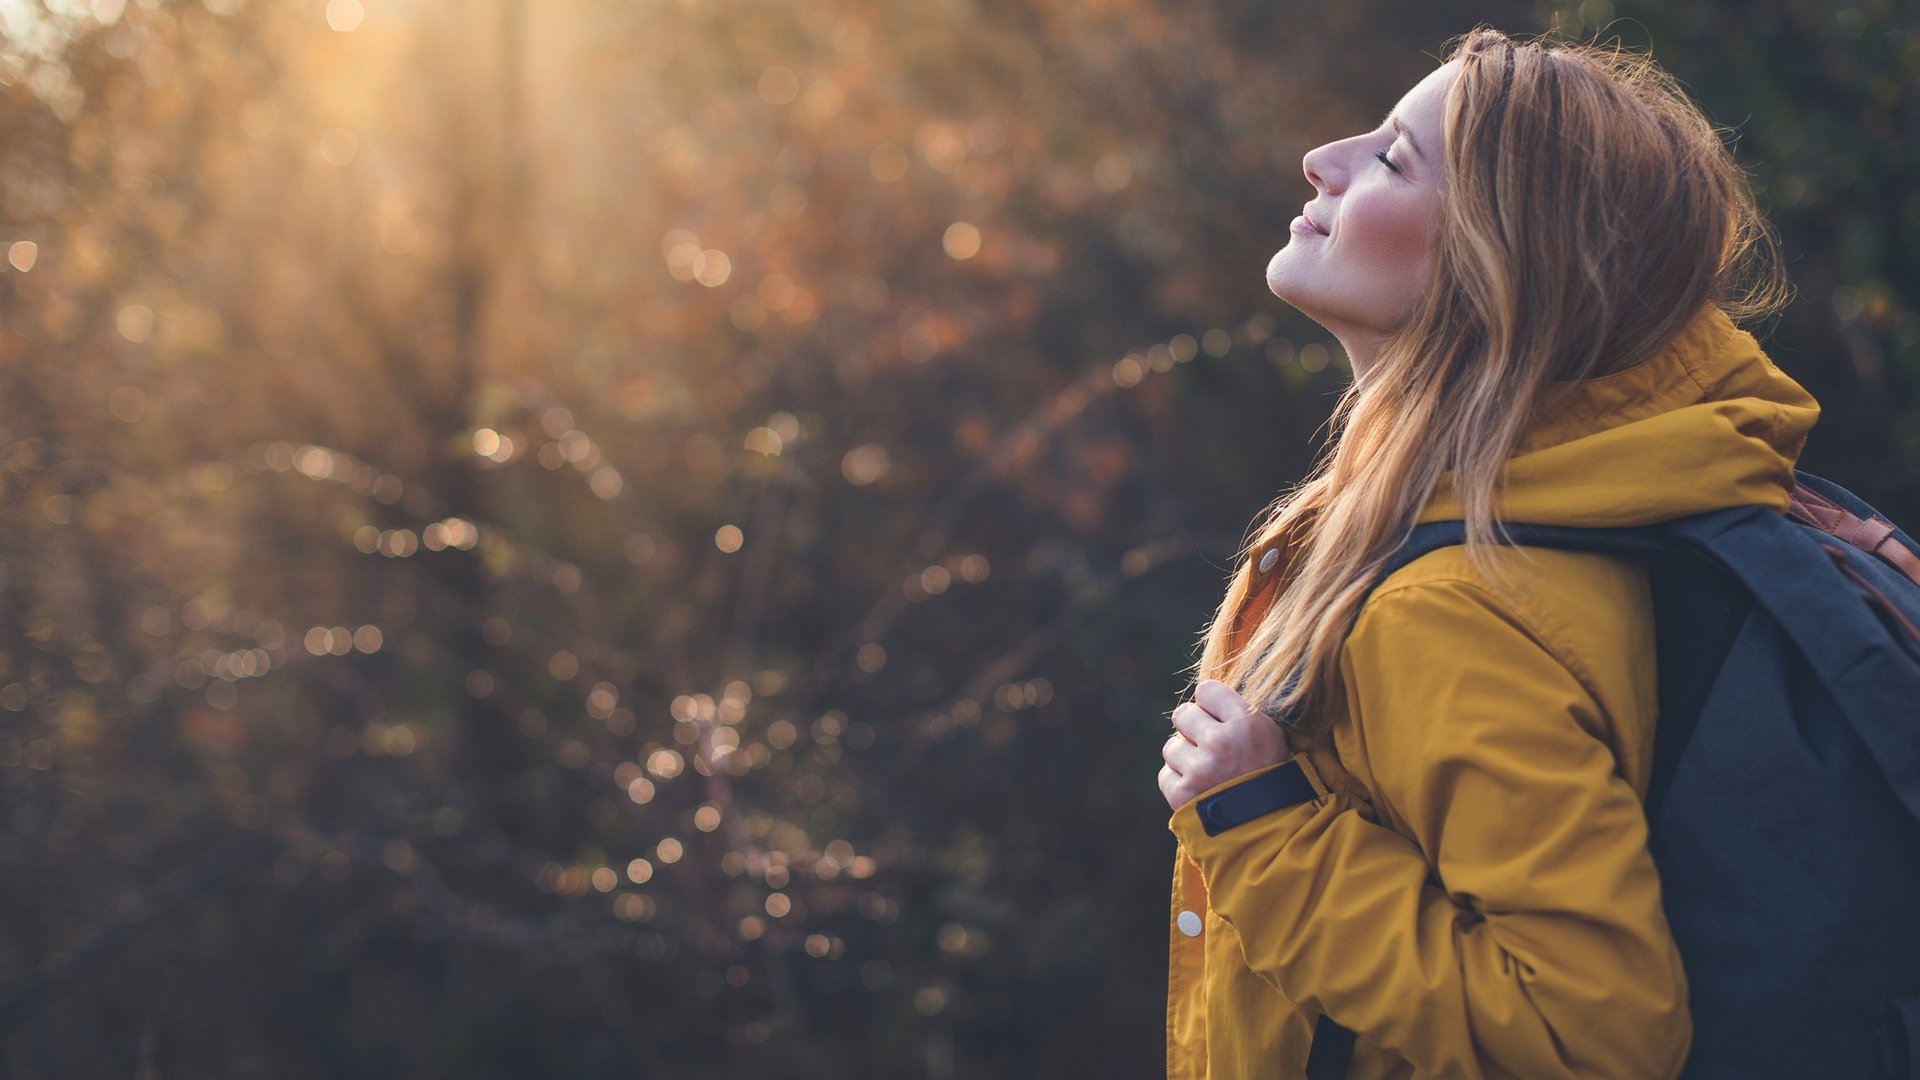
1277,282
1290,293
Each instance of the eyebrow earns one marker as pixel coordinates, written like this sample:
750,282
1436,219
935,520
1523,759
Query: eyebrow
1401,129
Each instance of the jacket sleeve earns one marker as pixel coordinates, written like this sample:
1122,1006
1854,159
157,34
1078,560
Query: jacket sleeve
1523,934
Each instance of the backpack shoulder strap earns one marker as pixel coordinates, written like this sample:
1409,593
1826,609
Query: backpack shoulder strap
1434,535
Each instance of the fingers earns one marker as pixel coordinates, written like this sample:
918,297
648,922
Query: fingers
1193,721
1211,732
1223,702
1182,756
1175,788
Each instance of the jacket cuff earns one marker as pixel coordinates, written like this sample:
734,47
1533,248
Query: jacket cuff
1245,798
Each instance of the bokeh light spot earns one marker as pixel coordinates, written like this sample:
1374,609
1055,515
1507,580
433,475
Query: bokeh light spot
639,549
135,322
606,482
764,440
664,763
345,16
712,268
339,146
128,403
962,240
863,465
633,907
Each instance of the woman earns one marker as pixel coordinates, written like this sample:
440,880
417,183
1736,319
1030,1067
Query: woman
1534,265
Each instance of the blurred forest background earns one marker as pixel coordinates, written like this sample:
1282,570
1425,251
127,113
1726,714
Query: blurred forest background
656,538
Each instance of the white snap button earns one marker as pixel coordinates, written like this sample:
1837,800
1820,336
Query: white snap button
1189,923
1266,561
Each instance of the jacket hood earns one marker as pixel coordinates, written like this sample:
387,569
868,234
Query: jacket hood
1705,423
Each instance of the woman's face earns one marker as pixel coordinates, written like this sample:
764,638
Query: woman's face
1357,259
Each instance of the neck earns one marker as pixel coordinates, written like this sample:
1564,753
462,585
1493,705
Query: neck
1361,348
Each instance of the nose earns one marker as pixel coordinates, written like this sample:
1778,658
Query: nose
1322,167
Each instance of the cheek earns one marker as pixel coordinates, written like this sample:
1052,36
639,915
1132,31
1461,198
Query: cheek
1393,236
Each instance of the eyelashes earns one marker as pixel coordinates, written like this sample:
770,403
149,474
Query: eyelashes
1381,155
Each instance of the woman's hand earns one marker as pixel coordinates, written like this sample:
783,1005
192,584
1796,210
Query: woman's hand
1217,736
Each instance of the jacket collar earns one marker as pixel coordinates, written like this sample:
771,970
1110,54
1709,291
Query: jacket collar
1704,423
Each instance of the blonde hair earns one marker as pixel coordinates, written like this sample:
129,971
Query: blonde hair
1591,212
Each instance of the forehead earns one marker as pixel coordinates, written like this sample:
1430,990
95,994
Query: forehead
1423,107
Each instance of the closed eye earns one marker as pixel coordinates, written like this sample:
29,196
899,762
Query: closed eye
1385,160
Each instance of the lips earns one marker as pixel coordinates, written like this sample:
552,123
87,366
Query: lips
1317,227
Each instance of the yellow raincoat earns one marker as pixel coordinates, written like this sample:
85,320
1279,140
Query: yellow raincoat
1470,891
